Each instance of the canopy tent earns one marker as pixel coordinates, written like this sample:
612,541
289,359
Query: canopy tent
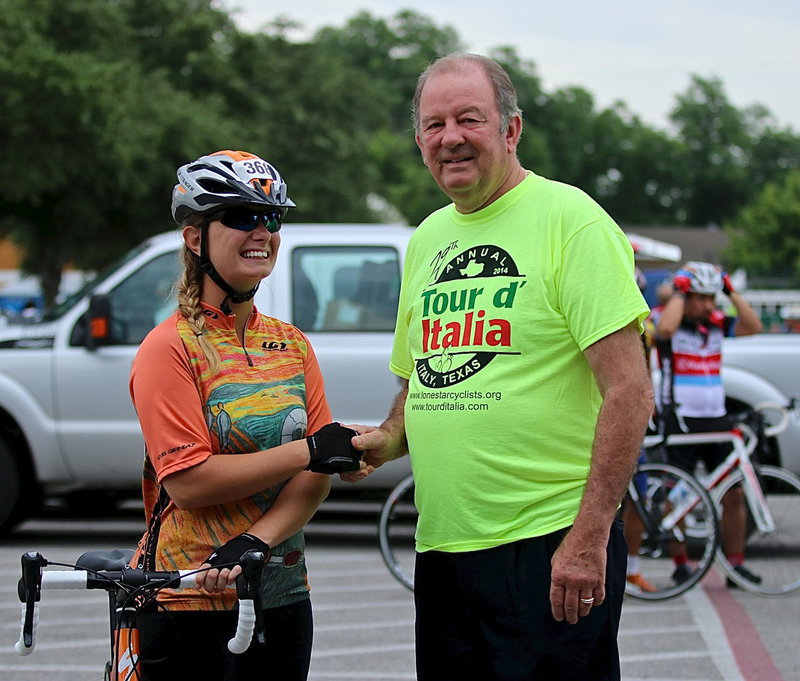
653,252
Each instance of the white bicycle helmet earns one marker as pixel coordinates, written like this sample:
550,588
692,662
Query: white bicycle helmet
705,278
227,178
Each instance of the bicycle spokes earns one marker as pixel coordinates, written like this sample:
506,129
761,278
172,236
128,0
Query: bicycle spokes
773,556
670,516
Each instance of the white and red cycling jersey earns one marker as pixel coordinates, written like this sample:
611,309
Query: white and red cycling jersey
690,364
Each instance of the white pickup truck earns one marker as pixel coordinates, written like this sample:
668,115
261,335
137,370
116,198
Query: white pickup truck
67,425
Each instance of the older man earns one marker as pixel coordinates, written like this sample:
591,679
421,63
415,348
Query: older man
524,402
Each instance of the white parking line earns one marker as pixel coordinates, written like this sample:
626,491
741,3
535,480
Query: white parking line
54,668
386,624
713,633
363,650
322,607
377,676
69,645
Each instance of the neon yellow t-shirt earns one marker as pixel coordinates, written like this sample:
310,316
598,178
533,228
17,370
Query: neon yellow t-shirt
495,311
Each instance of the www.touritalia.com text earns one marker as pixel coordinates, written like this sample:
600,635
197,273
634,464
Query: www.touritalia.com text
450,406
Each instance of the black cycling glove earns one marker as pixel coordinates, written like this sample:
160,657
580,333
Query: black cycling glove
331,450
233,550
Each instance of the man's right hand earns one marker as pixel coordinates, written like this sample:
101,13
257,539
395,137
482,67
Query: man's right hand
374,443
331,450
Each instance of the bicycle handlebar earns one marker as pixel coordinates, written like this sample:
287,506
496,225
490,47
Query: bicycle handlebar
783,411
34,579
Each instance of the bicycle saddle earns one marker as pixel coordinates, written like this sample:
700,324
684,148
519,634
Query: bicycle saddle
105,559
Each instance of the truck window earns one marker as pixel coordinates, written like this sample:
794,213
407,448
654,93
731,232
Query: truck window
345,288
139,302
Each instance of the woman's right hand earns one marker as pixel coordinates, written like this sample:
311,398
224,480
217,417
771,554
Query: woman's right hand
360,474
331,450
216,580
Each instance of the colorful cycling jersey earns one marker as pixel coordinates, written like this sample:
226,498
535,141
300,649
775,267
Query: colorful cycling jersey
690,361
266,393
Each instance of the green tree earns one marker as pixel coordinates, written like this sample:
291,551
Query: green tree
93,138
775,149
390,55
635,171
534,149
718,144
765,237
312,115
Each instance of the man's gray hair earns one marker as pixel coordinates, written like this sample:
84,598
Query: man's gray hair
505,95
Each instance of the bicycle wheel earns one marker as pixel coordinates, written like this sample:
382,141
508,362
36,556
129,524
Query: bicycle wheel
674,510
773,556
396,527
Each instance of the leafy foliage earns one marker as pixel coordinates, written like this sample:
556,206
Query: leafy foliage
103,99
765,238
91,140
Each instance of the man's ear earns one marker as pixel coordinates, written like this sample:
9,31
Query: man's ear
419,146
513,133
191,237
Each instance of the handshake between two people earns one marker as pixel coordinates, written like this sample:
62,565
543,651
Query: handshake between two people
336,448
332,451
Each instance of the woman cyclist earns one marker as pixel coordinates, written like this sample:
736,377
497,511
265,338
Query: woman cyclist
224,396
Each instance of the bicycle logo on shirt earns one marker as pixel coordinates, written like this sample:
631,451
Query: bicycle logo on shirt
464,322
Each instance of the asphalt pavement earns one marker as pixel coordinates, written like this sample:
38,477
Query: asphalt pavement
364,619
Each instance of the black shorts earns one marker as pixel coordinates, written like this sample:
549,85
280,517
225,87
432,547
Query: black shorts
711,454
485,615
194,646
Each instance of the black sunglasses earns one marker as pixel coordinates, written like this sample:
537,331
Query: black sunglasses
247,219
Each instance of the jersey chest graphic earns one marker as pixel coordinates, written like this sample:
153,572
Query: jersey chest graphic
465,317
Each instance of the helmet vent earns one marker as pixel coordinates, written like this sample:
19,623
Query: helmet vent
214,186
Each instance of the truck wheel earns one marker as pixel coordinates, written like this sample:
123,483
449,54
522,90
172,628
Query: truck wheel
9,488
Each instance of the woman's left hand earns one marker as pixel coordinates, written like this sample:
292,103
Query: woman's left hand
355,476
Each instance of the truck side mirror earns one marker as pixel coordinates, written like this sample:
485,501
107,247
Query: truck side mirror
98,327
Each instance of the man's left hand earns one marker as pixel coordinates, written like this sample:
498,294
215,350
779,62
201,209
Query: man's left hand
577,579
727,285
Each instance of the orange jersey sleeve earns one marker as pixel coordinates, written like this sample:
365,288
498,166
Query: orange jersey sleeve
167,402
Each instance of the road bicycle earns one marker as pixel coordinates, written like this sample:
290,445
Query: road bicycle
674,506
129,592
671,508
772,497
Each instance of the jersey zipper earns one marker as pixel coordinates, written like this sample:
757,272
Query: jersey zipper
244,342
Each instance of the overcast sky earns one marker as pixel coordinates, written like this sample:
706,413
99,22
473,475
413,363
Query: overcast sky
642,53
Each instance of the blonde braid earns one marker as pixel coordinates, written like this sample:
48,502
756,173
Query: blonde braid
188,288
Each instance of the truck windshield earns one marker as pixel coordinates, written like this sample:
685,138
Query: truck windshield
66,304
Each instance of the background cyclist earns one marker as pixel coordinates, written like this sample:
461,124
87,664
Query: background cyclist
216,374
689,333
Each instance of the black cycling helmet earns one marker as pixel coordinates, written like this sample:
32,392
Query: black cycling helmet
227,178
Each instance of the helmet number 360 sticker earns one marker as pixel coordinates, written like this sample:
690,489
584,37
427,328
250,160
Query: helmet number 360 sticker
253,168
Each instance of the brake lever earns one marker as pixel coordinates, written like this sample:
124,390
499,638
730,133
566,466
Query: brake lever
29,590
248,585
